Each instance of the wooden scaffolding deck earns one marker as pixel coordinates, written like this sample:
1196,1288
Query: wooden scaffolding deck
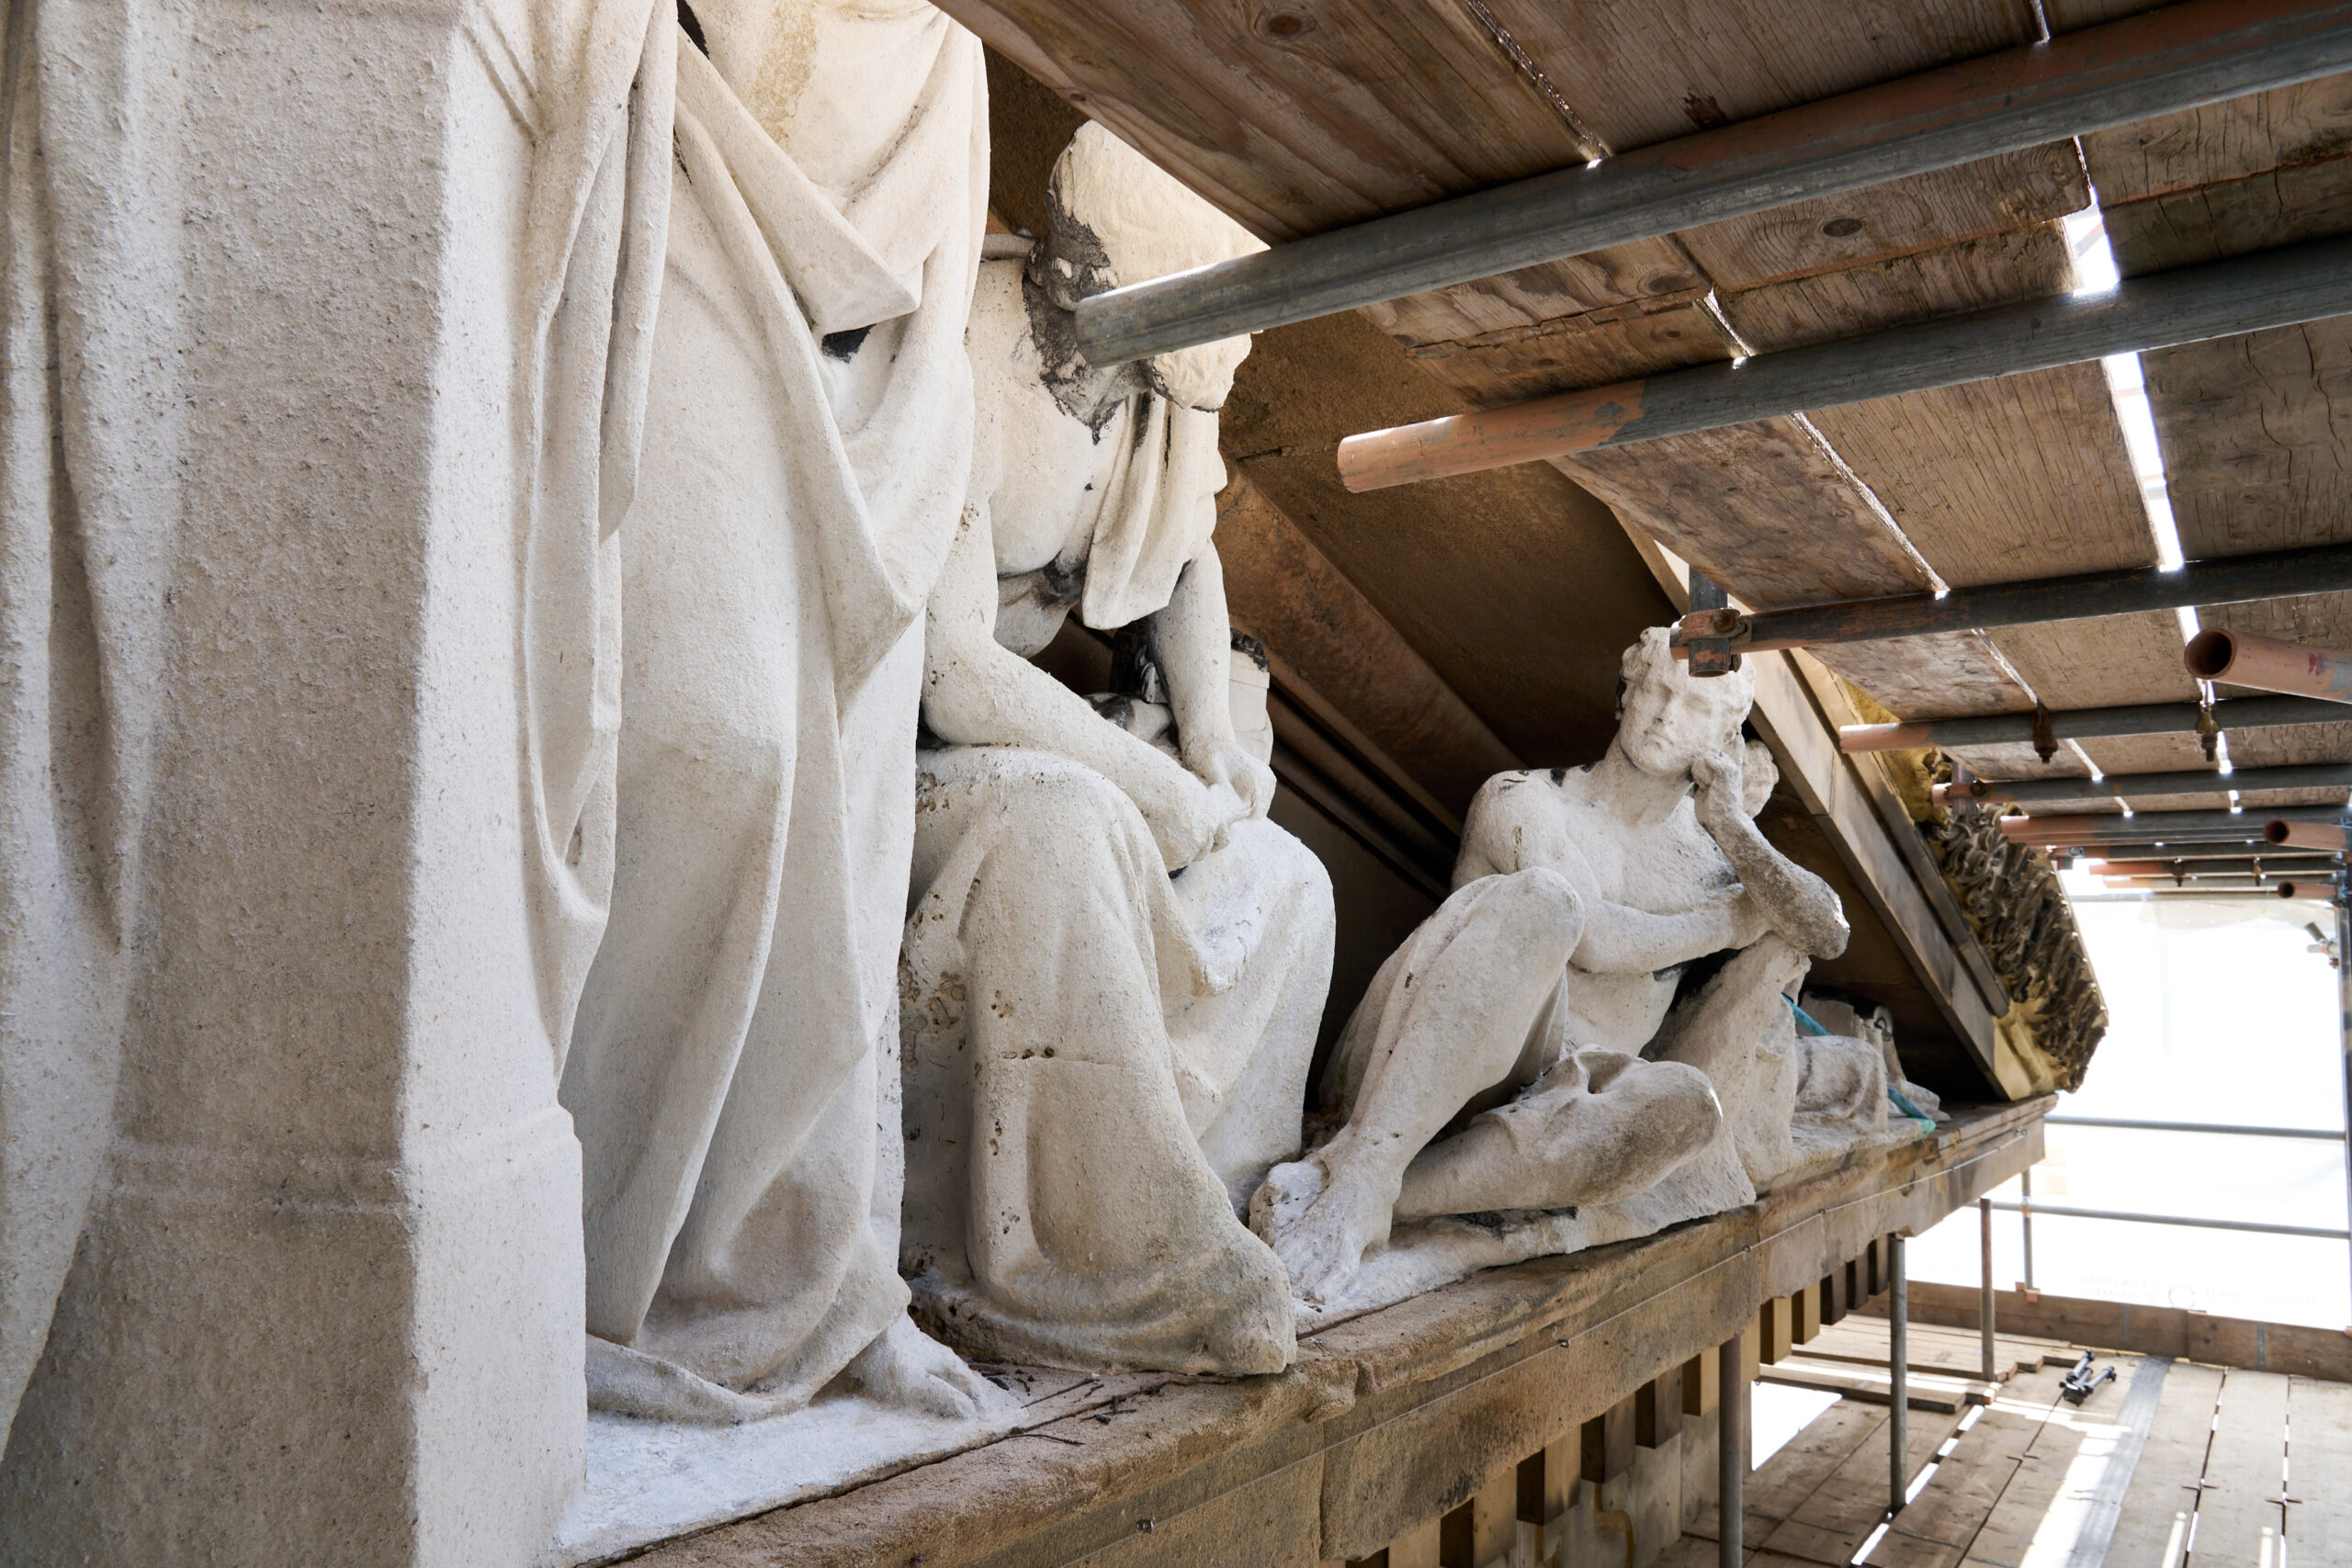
2220,1466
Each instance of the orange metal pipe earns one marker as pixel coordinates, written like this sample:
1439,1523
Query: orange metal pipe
2269,665
2324,836
1853,737
2324,891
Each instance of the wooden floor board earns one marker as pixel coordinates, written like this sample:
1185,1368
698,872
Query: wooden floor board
2235,1523
1777,1489
1831,1523
2319,1528
2153,1530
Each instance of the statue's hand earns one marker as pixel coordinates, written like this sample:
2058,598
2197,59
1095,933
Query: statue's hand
1185,816
1250,780
1718,803
1744,923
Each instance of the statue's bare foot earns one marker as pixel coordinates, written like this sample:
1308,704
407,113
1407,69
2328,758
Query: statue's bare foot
1320,1224
907,1368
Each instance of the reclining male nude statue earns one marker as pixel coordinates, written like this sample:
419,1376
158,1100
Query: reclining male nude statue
1115,967
1519,1016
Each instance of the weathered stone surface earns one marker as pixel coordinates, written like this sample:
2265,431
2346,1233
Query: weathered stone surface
1545,1002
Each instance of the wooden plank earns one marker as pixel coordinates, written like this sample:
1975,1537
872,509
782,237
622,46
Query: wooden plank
2152,1530
1972,275
1494,1513
2101,662
2235,1523
1828,1526
2003,481
1646,73
1901,219
1297,120
1765,508
1780,1486
1283,590
2015,1529
1909,675
2310,122
1592,350
1952,1506
2233,218
1942,1396
1556,292
2318,1529
2255,454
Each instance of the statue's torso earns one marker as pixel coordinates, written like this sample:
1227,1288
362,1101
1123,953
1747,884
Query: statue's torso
1042,471
1552,818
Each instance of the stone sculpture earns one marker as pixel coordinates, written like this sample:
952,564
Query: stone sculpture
2012,898
1542,1043
1115,966
805,453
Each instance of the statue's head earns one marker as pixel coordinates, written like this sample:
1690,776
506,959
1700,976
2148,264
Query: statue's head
1666,718
1117,218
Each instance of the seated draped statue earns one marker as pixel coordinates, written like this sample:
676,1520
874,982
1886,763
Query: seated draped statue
1535,1045
1114,965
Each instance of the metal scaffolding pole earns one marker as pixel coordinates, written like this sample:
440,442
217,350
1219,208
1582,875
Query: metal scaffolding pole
1731,1453
2214,579
2177,57
1985,1291
2139,786
2090,724
1898,1367
2344,1035
2190,304
2025,1220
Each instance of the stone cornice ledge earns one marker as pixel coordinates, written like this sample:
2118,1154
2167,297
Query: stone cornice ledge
1392,1418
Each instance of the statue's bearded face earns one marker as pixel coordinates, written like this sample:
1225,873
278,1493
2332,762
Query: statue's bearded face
1669,718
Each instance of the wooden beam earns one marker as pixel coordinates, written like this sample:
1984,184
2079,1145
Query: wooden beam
2088,724
2221,579
1609,1442
2137,786
1657,1410
2224,299
2160,63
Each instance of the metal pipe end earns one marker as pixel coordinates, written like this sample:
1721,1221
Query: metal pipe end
2210,654
2274,831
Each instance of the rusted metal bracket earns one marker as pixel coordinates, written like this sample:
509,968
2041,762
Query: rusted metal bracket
1707,629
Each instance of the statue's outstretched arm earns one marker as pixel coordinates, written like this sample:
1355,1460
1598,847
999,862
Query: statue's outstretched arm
979,693
1508,831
